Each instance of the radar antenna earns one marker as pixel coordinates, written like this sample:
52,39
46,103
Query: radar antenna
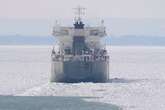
79,12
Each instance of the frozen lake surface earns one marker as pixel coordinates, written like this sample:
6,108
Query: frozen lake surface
137,81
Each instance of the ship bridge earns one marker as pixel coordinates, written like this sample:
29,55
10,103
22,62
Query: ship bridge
79,34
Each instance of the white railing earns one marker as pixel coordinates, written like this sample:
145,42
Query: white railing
84,58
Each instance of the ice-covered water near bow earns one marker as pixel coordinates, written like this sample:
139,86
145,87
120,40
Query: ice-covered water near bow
137,81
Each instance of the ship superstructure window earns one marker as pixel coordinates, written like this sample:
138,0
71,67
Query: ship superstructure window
60,32
64,32
94,32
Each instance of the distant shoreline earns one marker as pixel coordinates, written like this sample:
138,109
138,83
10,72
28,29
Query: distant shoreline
128,40
42,45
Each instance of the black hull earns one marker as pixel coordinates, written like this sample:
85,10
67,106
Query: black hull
79,71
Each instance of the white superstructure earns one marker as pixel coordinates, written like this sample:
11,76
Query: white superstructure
81,56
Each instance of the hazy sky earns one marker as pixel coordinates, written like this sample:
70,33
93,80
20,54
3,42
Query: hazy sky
47,9
34,17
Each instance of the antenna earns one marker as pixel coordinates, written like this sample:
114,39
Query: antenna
79,12
102,22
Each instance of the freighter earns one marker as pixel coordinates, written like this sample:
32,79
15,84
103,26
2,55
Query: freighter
81,57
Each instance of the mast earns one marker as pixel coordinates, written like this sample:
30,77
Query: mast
79,12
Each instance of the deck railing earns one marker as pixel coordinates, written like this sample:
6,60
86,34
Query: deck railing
84,58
